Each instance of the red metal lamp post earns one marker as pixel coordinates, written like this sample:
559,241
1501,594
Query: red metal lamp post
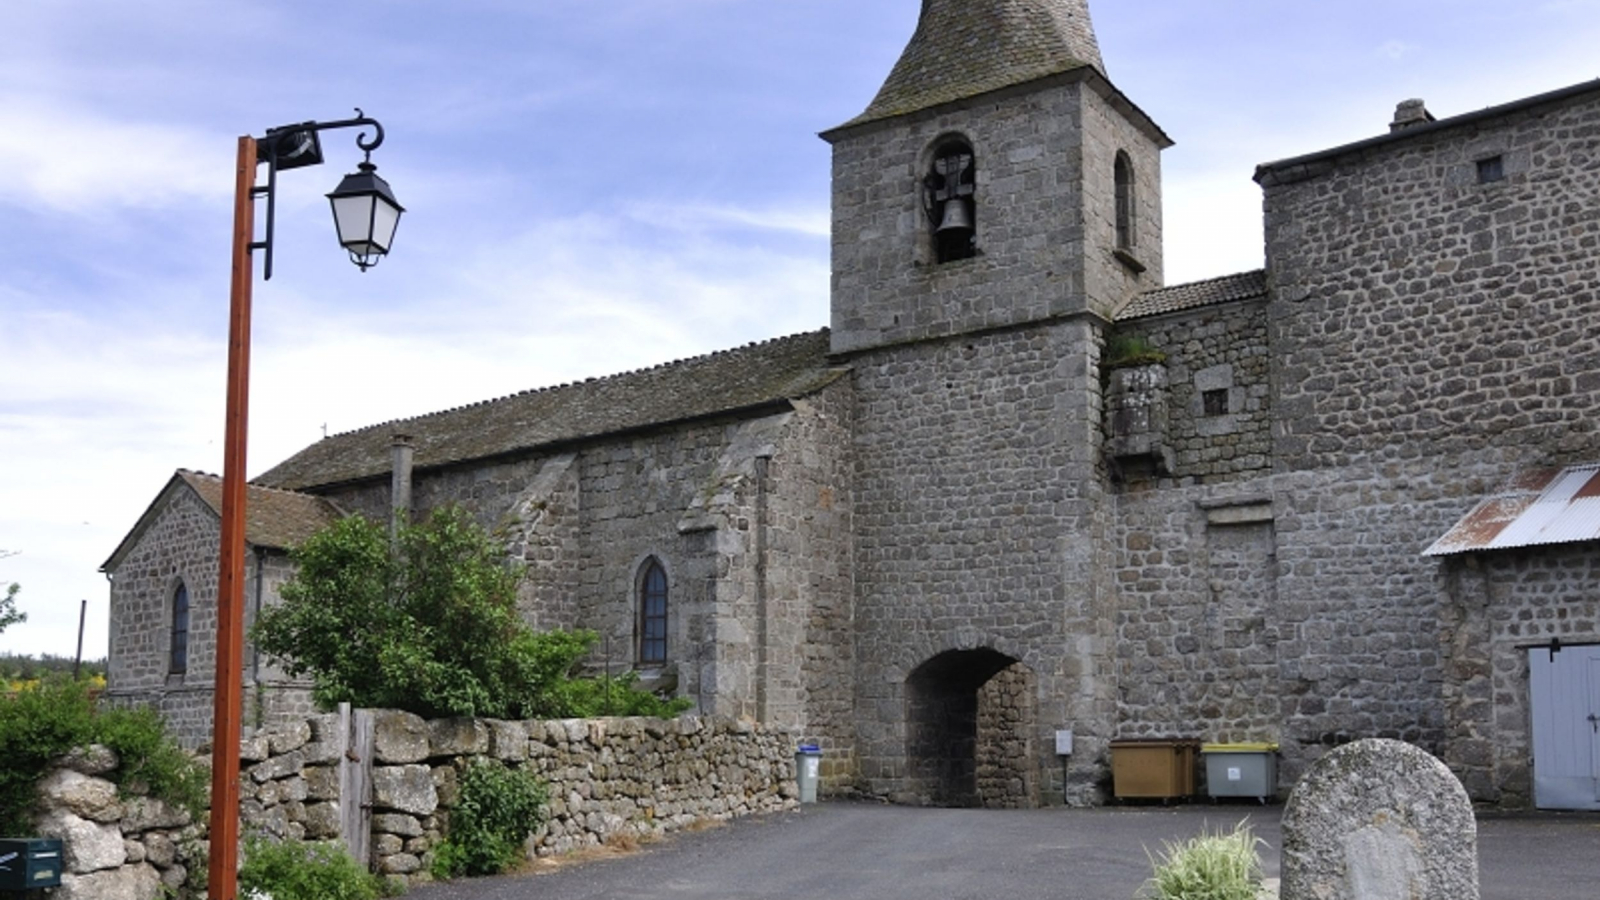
366,215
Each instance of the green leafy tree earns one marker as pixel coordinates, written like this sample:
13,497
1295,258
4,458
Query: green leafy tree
429,626
9,614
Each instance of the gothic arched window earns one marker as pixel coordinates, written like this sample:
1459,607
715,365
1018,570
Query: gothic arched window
948,199
653,614
178,656
1127,209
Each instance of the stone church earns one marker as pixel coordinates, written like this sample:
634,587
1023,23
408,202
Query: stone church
1022,487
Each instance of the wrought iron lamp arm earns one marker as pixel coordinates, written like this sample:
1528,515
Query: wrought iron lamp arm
301,138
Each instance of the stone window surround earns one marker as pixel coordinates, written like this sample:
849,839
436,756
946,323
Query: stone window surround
928,245
177,667
1127,200
651,562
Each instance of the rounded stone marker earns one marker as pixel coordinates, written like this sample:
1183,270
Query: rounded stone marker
1379,820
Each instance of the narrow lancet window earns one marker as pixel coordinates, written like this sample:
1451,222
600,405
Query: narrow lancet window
178,658
1127,208
653,615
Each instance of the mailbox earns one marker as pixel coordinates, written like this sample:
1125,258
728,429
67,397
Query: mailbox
28,863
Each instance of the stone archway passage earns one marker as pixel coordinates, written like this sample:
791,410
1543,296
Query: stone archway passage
970,718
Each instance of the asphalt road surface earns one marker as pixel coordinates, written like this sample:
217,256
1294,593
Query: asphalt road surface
857,851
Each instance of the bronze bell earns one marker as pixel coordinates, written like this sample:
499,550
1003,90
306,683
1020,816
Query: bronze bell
957,218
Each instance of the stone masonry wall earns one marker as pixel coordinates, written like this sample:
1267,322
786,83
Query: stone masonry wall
748,518
1199,622
1007,777
1390,268
810,574
1112,279
1217,348
181,547
977,523
1032,193
1432,336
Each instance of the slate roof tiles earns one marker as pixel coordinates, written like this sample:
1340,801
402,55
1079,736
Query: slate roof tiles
963,48
1241,286
742,378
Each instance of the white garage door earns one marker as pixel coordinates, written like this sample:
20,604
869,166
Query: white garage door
1566,727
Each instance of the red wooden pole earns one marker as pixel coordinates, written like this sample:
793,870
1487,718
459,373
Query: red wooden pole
222,883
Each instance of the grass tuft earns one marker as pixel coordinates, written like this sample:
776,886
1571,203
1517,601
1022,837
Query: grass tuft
1219,866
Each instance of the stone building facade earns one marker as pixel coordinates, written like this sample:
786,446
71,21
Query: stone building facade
1022,487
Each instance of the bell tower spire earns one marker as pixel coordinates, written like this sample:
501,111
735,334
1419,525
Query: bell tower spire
963,48
998,179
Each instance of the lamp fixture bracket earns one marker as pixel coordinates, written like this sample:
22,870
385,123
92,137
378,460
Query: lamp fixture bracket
298,145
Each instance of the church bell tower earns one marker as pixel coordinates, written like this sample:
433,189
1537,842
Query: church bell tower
993,207
997,178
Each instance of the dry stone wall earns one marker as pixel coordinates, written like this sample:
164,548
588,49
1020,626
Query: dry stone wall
116,846
607,778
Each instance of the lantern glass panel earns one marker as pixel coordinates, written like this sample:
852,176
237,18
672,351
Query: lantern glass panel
353,217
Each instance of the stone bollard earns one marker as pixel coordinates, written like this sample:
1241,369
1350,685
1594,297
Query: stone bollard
1379,820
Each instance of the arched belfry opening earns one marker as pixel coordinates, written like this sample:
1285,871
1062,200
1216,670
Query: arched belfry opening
970,722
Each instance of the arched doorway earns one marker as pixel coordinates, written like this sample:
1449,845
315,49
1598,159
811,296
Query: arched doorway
970,718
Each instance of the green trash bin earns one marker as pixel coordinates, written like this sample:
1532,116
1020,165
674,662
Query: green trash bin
808,771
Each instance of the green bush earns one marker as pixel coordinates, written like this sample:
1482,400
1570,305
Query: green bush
40,724
1220,866
498,809
615,696
432,629
293,870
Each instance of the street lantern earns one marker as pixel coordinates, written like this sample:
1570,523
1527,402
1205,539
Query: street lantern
366,214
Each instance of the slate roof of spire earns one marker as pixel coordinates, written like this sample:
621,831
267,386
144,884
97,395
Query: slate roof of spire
963,48
726,382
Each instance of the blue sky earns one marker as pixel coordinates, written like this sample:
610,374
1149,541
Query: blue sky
592,187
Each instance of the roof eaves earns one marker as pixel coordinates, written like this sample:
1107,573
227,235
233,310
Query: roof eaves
1083,72
1299,168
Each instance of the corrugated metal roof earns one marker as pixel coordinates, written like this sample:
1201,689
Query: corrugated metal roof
1539,506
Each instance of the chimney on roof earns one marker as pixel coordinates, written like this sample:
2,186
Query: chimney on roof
1409,114
401,452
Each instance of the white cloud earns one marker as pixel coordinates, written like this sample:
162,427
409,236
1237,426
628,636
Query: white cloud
80,162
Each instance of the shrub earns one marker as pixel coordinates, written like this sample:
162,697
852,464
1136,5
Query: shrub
1220,866
293,870
498,809
1130,350
40,724
431,629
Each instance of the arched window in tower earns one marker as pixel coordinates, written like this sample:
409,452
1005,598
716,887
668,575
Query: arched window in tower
178,655
1127,209
653,615
948,198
